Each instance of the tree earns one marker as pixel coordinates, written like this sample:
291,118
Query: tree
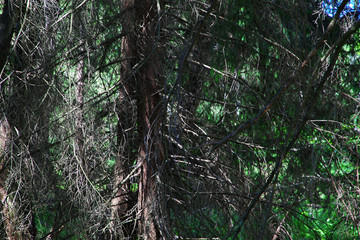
141,47
7,22
179,119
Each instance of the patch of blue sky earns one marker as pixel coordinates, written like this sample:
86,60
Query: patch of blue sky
352,8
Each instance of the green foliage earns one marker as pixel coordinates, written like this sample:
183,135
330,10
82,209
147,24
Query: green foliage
244,126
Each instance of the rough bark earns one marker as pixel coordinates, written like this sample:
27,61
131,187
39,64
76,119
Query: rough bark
6,210
27,110
149,118
7,22
122,201
141,73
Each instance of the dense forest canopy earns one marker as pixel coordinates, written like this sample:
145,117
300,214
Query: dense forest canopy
179,119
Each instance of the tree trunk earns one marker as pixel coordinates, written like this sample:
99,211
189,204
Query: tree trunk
122,200
141,73
6,210
150,151
7,21
149,116
27,111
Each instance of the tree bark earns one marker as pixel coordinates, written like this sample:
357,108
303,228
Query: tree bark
149,119
123,200
8,224
27,111
7,21
141,74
